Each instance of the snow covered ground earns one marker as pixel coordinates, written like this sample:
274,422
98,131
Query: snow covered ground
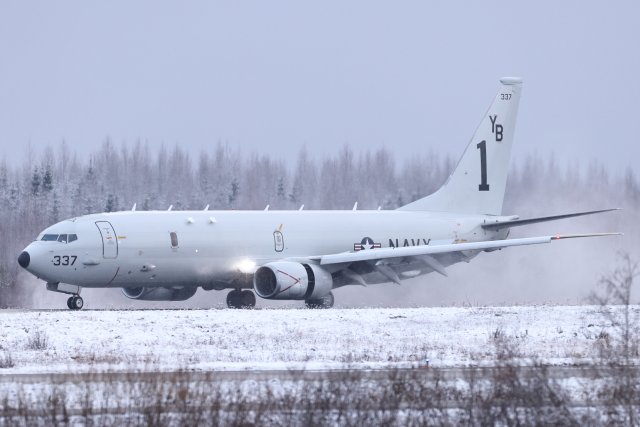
65,341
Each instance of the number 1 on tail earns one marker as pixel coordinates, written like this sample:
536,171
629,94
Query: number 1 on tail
482,146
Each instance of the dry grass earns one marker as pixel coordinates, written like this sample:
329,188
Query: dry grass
506,395
37,340
6,360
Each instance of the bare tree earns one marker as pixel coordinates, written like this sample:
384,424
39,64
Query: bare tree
621,352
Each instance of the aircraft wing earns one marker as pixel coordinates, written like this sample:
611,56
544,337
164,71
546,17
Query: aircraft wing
385,253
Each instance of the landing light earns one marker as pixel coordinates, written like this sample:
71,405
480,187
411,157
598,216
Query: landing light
247,266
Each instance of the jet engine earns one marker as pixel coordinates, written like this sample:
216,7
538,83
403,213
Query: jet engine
160,293
292,280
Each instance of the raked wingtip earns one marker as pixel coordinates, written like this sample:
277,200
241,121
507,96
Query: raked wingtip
576,236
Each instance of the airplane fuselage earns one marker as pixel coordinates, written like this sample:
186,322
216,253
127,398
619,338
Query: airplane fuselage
214,248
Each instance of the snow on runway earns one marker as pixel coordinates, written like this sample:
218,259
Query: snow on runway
65,341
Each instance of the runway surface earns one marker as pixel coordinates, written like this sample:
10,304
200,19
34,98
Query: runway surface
421,372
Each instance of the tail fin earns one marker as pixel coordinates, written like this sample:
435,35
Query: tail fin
478,182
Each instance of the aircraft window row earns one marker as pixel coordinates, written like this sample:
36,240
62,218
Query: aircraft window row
63,238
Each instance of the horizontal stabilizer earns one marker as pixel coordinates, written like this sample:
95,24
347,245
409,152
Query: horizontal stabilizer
517,222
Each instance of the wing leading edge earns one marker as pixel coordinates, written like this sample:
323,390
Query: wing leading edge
386,253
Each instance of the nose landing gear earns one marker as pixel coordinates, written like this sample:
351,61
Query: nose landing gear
75,302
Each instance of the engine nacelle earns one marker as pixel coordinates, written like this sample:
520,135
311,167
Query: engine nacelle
292,280
160,294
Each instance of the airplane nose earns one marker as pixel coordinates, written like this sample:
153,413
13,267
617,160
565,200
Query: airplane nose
24,259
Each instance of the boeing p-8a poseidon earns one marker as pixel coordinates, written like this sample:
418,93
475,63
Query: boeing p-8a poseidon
293,255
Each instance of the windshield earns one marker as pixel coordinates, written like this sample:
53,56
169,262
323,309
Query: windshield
62,238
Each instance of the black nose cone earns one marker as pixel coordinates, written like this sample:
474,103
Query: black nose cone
24,259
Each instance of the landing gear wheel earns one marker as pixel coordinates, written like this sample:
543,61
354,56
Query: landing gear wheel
247,299
322,302
234,299
75,302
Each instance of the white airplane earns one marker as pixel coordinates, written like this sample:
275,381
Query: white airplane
294,255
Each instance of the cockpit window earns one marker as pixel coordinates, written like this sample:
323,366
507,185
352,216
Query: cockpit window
62,238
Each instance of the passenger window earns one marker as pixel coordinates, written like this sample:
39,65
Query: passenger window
174,239
50,237
62,238
72,238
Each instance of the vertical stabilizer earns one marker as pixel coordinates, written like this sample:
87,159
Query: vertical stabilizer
478,182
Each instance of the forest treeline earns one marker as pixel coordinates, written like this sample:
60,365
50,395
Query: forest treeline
58,184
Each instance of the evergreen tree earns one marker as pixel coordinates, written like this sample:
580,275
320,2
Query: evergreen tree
281,193
35,182
47,180
55,208
235,191
111,204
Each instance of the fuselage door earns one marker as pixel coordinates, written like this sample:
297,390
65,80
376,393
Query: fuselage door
109,239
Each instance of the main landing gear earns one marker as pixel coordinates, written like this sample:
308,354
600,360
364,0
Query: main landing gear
75,302
241,299
322,302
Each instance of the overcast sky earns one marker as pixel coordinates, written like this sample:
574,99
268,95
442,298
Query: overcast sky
272,76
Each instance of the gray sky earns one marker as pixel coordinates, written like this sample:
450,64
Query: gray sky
272,76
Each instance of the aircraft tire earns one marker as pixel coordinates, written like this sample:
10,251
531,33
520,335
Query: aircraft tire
247,299
76,302
234,299
69,303
322,302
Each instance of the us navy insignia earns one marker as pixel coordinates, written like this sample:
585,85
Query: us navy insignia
366,243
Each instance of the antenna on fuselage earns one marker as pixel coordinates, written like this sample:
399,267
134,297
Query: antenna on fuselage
170,207
206,208
266,208
355,207
133,208
301,207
